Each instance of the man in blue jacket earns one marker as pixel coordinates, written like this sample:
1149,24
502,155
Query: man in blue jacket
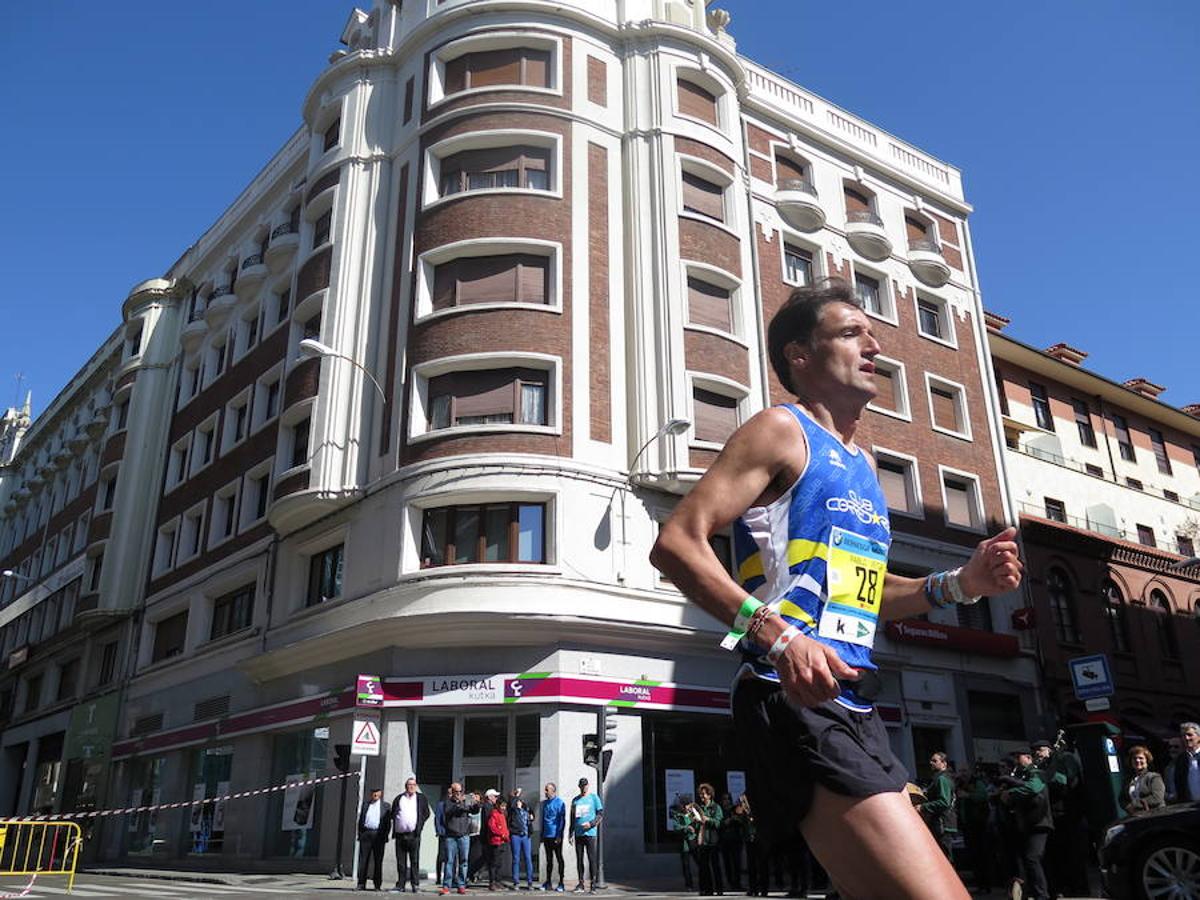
554,820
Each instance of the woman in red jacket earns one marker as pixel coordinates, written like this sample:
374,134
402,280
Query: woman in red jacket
497,838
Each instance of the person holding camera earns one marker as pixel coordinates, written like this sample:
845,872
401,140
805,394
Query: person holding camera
707,813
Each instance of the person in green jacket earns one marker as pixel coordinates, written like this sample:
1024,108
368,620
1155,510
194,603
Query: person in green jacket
939,809
688,829
1029,798
707,813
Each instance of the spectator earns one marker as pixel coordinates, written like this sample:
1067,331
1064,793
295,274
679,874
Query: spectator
479,836
708,813
586,813
374,820
939,809
439,827
1145,789
410,811
554,820
756,864
520,828
1028,797
457,815
1183,785
497,837
1067,846
733,839
975,820
687,828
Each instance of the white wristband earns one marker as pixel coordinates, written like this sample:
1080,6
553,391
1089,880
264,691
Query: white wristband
954,585
781,644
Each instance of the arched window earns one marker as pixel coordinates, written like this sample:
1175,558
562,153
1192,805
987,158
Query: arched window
1164,624
1062,607
1114,611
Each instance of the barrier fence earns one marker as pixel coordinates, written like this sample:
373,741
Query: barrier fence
38,849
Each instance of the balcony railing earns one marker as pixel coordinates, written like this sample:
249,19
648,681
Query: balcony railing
1085,524
864,216
254,259
220,292
281,230
803,185
924,245
1076,466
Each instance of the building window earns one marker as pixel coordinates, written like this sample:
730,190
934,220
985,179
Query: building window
513,66
511,278
1083,421
715,415
108,492
1001,393
931,319
867,290
94,574
332,135
1135,483
495,167
1185,546
948,407
1146,536
1041,406
192,533
232,612
1170,495
1056,510
121,419
797,265
1164,624
1062,607
300,442
489,396
170,636
789,170
224,515
1160,451
487,533
1124,443
164,548
962,504
133,343
1114,611
33,692
270,400
703,197
283,305
858,204
322,228
108,664
325,575
68,679
697,102
257,495
237,421
898,478
976,615
177,468
891,392
709,305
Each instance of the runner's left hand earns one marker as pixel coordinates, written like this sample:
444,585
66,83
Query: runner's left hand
994,567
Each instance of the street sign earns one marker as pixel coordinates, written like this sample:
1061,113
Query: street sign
1097,704
364,737
369,691
1091,676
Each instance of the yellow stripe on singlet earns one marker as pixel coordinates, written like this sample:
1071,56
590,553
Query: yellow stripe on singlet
800,550
792,611
751,567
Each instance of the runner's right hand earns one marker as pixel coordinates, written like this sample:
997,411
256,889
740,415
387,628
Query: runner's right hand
809,672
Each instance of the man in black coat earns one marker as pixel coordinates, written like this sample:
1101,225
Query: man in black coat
374,824
410,811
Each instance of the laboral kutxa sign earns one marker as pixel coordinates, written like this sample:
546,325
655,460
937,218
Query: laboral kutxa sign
549,687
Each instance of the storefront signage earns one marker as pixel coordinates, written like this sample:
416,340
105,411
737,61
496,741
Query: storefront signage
950,637
90,732
369,692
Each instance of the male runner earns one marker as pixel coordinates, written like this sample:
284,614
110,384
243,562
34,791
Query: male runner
811,540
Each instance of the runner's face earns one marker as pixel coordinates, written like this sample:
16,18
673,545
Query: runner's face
841,354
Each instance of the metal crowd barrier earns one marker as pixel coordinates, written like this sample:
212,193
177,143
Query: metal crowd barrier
39,848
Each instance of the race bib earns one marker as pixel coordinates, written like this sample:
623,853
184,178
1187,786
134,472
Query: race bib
856,569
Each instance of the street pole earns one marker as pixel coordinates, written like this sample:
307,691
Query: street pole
601,771
362,780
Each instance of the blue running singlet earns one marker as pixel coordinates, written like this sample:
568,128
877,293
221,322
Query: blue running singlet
818,554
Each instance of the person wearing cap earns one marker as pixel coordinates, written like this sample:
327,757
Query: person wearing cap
1067,847
1028,797
586,813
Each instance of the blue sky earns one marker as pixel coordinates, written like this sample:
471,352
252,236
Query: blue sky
131,125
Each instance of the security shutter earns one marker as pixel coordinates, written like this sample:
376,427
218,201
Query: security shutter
709,305
703,197
716,415
695,101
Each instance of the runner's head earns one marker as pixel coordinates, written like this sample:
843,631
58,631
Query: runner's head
821,334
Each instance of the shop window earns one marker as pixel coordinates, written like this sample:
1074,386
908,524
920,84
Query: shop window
294,815
212,769
488,533
709,305
488,396
435,751
510,278
522,167
1061,594
697,102
145,830
512,66
715,415
232,612
325,575
170,636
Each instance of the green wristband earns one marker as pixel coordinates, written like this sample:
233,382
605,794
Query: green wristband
741,622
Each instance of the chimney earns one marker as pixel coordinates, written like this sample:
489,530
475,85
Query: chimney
1145,387
1066,353
994,321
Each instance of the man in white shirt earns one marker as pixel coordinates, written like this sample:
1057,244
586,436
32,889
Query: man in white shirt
374,822
410,811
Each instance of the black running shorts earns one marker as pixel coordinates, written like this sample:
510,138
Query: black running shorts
790,749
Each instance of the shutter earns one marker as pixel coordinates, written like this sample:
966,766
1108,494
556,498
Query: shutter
456,75
856,201
695,101
703,197
894,484
786,168
489,393
958,503
716,416
885,387
445,282
917,231
494,67
945,411
492,159
531,278
708,305
487,279
537,68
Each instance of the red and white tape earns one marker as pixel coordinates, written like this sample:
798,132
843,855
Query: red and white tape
182,804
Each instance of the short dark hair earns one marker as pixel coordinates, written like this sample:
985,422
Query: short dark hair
798,317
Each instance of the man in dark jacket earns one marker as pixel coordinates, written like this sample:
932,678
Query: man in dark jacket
410,811
939,810
1067,846
457,816
374,822
1029,799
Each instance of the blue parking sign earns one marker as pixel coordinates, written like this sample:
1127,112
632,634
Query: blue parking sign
1091,676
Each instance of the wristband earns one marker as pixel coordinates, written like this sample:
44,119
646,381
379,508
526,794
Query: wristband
944,589
759,619
741,622
954,584
781,644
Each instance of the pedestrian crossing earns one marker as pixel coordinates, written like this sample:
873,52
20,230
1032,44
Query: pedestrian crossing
174,890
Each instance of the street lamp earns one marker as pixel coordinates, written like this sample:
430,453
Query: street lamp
9,573
311,347
672,427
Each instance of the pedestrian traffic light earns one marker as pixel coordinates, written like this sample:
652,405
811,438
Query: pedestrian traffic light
591,750
341,757
608,725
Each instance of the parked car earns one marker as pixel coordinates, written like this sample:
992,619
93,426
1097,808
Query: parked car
1156,854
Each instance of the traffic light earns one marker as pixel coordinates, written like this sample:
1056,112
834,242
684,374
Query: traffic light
608,725
591,750
341,757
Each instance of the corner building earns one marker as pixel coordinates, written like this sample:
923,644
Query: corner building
530,235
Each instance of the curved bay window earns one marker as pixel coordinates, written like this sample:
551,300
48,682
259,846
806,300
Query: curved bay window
1164,624
1062,607
1114,612
488,397
484,533
495,167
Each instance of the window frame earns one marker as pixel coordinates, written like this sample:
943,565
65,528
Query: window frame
912,480
1126,449
156,624
945,313
700,81
706,171
230,599
899,383
207,426
474,248
231,492
197,513
786,242
959,392
887,300
1083,423
311,565
158,565
437,94
975,498
722,280
1066,627
242,400
714,384
266,471
490,139
513,527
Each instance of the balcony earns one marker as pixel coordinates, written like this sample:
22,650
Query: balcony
253,274
1100,528
284,241
927,263
796,200
865,232
193,333
220,304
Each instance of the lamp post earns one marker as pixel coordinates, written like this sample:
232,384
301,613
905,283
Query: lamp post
672,427
9,573
311,347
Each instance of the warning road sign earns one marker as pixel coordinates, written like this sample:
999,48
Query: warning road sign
364,738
